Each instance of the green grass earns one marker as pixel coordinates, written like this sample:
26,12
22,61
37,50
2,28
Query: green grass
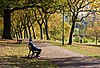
89,50
13,56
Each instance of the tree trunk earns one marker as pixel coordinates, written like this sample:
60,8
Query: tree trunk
7,25
17,36
96,40
46,28
71,33
21,36
29,30
25,33
40,25
25,29
34,35
41,31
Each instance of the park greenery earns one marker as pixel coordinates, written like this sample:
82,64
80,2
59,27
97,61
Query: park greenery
46,20
43,19
84,49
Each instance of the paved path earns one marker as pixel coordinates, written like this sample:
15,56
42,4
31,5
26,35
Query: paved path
66,59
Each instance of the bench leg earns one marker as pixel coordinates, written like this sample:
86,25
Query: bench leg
29,53
32,54
38,53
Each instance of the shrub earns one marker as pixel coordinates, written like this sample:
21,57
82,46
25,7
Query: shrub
98,40
93,40
76,39
85,40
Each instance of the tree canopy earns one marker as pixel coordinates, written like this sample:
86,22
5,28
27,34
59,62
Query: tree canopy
24,14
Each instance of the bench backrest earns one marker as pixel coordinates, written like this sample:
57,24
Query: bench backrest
29,47
32,49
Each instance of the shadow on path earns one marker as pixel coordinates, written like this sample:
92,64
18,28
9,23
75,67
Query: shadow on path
92,45
23,62
77,62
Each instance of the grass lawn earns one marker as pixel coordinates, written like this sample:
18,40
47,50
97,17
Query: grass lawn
85,49
11,56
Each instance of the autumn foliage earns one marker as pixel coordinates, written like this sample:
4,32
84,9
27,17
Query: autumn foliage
93,30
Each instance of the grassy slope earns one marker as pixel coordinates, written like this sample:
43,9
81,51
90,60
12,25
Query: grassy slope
85,49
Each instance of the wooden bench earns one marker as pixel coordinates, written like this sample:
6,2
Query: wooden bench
33,52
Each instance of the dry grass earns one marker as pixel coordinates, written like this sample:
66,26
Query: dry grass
85,49
89,50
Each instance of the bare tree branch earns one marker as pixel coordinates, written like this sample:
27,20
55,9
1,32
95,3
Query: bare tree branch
24,7
73,1
85,16
77,2
80,4
69,5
